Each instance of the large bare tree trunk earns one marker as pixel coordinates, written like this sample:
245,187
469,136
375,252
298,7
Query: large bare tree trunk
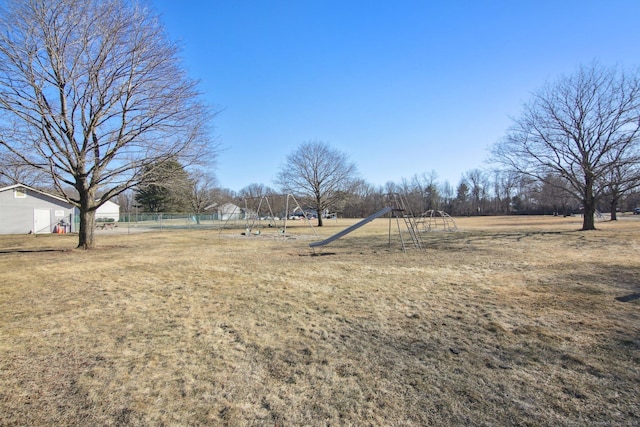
588,221
616,195
589,207
614,209
87,215
319,209
87,226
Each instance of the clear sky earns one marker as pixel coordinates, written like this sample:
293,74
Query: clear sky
402,87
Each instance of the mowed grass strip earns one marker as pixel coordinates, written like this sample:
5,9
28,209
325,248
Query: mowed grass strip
508,321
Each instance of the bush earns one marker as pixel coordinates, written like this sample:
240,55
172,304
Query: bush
105,220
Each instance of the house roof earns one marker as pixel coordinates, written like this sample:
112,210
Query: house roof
110,202
14,186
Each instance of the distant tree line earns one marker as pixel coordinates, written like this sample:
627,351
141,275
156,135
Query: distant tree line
479,192
172,188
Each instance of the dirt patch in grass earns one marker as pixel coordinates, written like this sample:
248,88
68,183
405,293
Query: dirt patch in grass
509,321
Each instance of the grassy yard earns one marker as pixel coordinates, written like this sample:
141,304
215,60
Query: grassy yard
508,321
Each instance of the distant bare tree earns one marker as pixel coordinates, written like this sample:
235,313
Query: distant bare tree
622,179
225,195
504,184
446,194
411,192
391,187
261,198
126,201
256,191
478,184
319,172
364,200
92,93
553,193
580,128
431,190
203,192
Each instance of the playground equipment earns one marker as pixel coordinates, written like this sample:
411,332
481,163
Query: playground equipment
433,220
399,212
351,228
304,215
254,217
402,211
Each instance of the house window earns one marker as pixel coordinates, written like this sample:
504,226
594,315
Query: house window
19,193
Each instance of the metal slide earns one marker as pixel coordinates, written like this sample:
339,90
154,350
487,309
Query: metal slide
350,229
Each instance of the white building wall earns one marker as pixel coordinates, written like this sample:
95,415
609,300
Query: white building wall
108,210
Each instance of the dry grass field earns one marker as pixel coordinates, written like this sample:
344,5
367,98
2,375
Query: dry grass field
508,321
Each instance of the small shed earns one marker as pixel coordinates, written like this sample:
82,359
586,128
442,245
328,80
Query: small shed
108,212
229,211
26,210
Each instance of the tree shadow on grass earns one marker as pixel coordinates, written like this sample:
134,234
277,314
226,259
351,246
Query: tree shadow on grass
628,298
32,251
604,277
317,254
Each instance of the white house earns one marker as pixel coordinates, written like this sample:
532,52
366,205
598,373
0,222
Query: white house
229,211
108,212
27,210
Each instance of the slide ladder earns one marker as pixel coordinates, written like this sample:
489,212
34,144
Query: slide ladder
409,221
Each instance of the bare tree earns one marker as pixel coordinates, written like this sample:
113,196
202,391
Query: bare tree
504,186
319,172
478,185
203,192
431,190
579,128
126,201
256,191
364,199
411,191
92,93
553,194
260,199
446,193
621,180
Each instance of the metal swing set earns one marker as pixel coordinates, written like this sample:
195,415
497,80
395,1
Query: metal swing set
254,220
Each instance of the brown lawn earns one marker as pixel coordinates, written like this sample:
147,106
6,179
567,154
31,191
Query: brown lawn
508,321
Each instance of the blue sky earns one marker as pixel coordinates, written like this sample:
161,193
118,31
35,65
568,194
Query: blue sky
402,87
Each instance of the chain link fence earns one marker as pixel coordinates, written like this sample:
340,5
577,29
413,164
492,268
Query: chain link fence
177,221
